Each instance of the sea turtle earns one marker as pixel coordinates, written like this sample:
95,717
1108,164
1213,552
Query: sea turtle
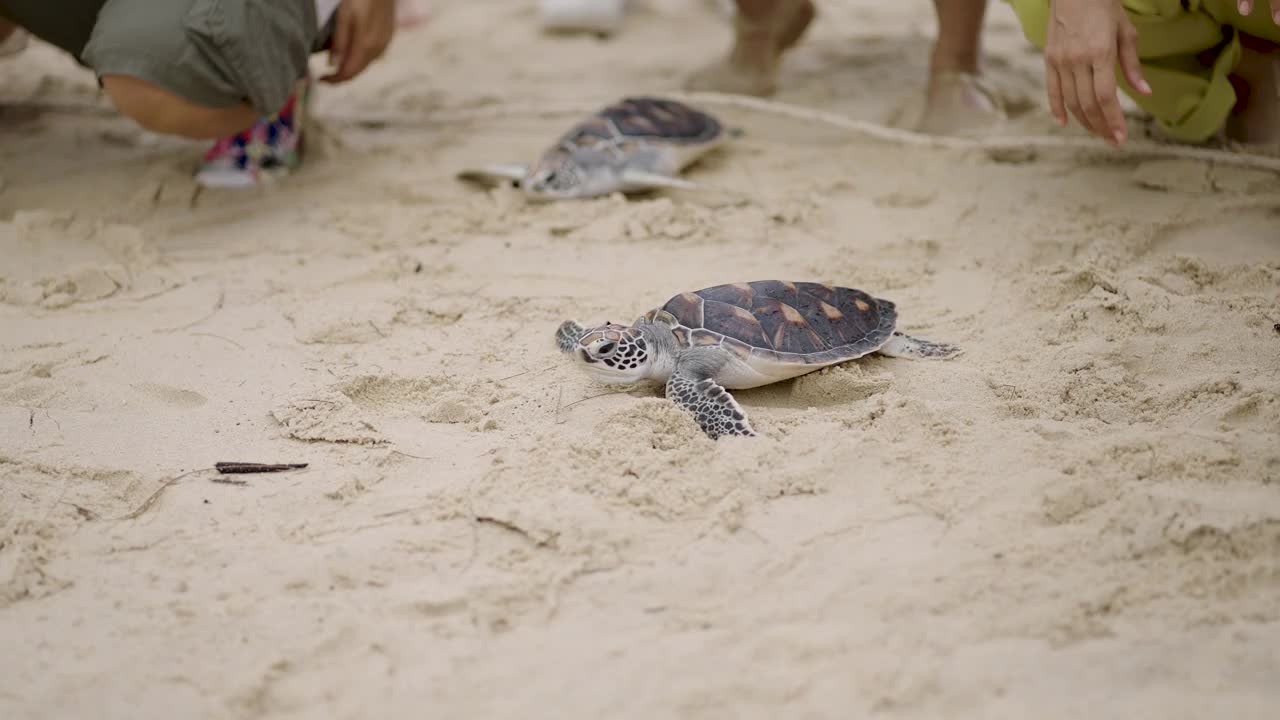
635,145
741,335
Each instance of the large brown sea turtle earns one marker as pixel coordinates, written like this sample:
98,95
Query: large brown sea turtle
741,336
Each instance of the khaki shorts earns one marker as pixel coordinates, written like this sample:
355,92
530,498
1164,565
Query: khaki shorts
214,53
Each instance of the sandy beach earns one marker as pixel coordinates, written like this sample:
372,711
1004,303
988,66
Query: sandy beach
1079,517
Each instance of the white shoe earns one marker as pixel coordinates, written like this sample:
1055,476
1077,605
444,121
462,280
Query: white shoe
598,16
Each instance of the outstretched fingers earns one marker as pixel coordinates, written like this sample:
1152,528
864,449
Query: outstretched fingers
1246,8
1111,116
1091,104
1054,86
1129,63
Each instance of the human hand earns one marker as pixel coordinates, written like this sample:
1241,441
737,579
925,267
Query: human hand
1246,8
362,31
1085,40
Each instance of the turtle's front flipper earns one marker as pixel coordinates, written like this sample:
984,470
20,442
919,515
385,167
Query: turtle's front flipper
905,346
640,180
711,405
568,334
494,174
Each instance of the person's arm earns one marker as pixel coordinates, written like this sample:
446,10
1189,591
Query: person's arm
361,34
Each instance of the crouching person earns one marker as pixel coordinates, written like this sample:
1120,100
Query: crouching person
1202,68
233,71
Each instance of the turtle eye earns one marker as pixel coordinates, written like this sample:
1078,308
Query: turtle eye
605,349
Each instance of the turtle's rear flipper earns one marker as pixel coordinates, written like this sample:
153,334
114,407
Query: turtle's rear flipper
717,413
905,346
639,180
496,174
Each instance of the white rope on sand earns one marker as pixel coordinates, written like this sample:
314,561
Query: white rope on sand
989,144
1017,143
1024,143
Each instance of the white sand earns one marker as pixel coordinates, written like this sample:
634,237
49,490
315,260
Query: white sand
1078,518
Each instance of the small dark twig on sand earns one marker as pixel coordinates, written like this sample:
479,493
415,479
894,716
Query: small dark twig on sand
245,468
226,468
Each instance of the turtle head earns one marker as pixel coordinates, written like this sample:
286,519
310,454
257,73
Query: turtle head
563,175
612,354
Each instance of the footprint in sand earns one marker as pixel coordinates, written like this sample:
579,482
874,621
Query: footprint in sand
172,396
1192,177
1259,410
1243,240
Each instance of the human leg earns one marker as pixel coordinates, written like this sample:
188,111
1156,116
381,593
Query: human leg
1255,118
763,31
954,100
162,111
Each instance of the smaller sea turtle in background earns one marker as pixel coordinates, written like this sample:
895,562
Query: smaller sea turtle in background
742,335
635,145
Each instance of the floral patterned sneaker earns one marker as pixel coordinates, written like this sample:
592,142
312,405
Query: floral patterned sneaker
265,152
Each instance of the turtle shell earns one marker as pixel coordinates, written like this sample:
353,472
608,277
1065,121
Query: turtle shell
645,118
784,322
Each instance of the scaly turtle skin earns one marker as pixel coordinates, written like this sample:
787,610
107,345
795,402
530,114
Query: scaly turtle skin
742,335
635,145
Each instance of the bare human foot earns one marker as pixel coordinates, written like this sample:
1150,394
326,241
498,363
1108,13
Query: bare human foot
955,101
1255,120
763,31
